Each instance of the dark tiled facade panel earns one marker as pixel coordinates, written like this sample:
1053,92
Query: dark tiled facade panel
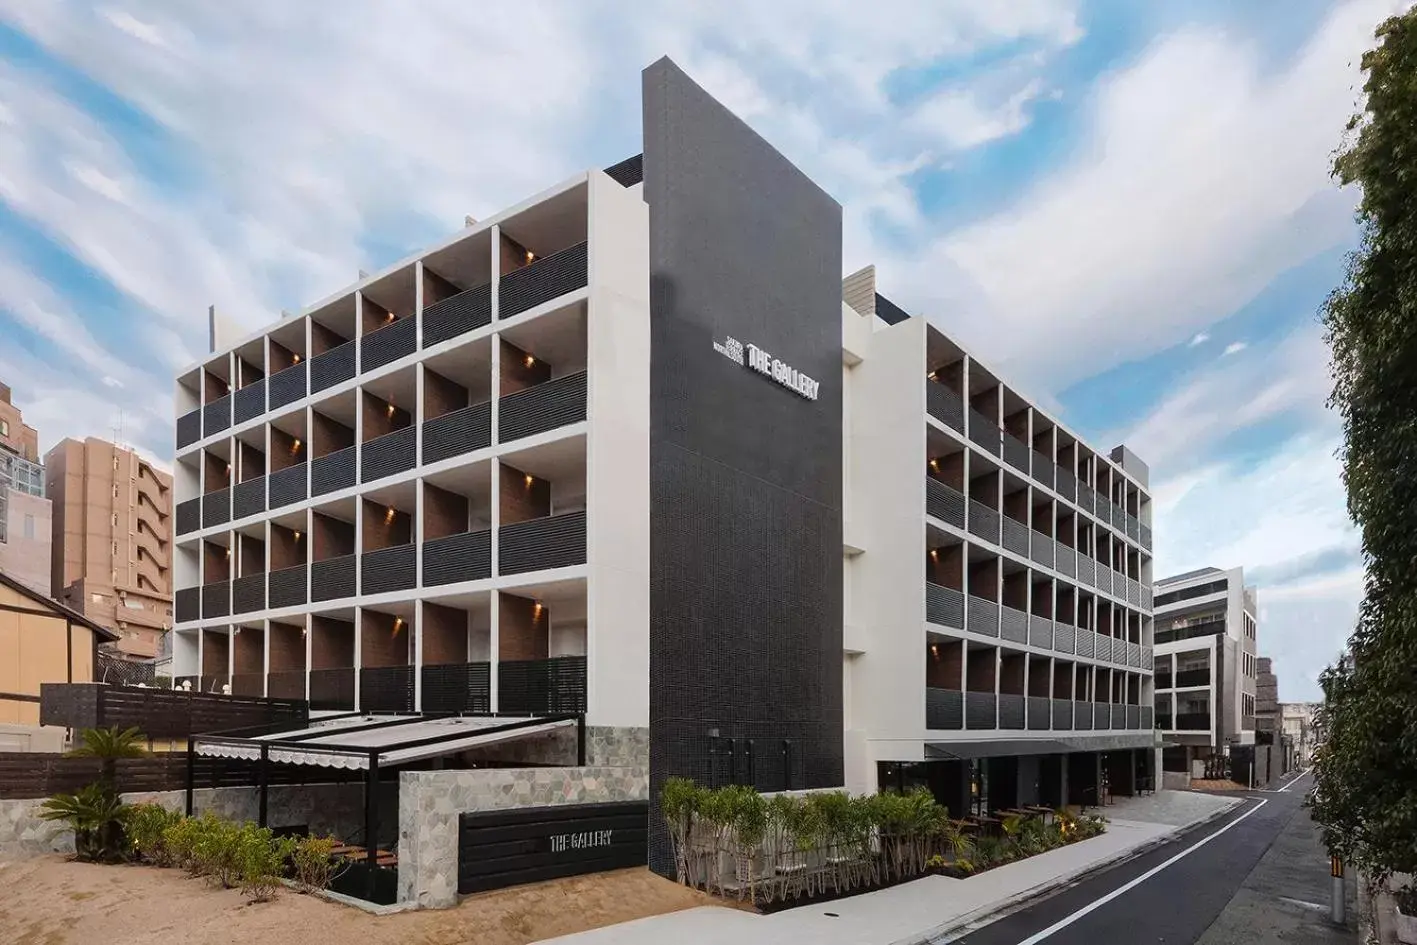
523,631
746,476
331,643
287,647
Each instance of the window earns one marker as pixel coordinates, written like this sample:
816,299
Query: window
4,427
115,519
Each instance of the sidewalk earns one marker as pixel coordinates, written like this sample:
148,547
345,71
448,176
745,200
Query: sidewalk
928,907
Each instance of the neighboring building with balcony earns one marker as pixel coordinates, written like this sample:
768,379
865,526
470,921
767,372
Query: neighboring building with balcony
24,509
998,580
1206,665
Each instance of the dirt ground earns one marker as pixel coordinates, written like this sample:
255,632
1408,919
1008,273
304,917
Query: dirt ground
53,901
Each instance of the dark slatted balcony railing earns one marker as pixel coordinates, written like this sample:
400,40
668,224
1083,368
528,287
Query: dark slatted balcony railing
542,687
1133,527
944,405
288,485
386,689
389,454
983,616
187,604
1101,647
555,403
333,578
1016,453
286,586
248,593
1042,468
1064,637
461,431
463,557
1165,721
189,516
556,541
248,498
250,401
1065,483
216,508
248,684
944,606
629,172
333,367
333,471
1146,717
1082,715
549,277
457,687
980,710
1134,717
1040,713
1193,721
1133,593
456,315
944,709
1040,548
1062,715
1145,533
1040,631
216,599
1013,624
285,684
1086,642
1165,681
1011,711
944,503
985,432
216,416
388,569
1101,716
1146,597
189,428
1134,654
1118,516
1016,536
1193,677
1204,628
286,386
983,521
1086,570
397,339
1065,560
332,688
1086,497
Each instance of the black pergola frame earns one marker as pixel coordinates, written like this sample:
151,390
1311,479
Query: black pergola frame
246,737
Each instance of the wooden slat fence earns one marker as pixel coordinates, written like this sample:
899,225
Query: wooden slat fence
40,774
162,713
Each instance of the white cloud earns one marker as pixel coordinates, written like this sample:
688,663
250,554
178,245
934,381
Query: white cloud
963,120
1235,347
1200,338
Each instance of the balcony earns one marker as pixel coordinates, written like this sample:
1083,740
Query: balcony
248,684
332,688
248,498
1205,628
983,521
1134,654
216,599
1164,721
1144,533
546,406
333,578
1040,713
1082,715
1101,647
1065,483
1164,681
457,687
1016,536
554,541
1062,714
1086,570
187,604
388,569
189,516
456,315
1133,592
542,687
458,432
1065,560
216,508
250,401
1146,717
286,386
980,710
248,593
386,689
1011,711
1064,637
1016,453
389,454
288,486
1146,597
216,416
983,616
943,502
1101,716
1041,549
547,278
463,557
333,367
944,606
1193,677
1193,722
1013,624
286,684
189,428
1040,631
1042,469
985,432
1086,642
333,471
1134,716
944,708
398,339
944,405
1086,498
1133,527
286,587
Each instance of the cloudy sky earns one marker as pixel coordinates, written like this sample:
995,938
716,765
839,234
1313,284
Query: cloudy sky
1122,207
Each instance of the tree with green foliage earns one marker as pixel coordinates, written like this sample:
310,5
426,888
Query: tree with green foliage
1366,773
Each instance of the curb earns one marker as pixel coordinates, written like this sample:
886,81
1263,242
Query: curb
1035,893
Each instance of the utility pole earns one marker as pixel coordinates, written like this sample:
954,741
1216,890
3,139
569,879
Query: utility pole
1337,904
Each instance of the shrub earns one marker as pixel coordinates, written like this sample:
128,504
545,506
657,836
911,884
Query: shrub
146,827
260,859
179,839
217,850
315,868
95,815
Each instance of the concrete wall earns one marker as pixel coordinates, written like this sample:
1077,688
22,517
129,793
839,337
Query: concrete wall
26,559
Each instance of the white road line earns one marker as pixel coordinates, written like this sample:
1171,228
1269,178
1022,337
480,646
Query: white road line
1099,903
1294,782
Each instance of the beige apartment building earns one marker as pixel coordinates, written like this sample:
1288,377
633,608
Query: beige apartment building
24,511
112,556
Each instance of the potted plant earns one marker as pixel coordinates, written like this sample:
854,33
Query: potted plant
1406,900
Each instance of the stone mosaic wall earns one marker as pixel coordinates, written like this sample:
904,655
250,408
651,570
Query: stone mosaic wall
605,745
23,834
430,802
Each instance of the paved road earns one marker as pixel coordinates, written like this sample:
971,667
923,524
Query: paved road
1212,885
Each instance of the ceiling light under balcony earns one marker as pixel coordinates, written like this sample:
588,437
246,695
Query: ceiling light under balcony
297,535
389,515
529,360
391,410
295,359
536,611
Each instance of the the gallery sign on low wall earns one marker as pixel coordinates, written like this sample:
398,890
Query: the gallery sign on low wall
511,847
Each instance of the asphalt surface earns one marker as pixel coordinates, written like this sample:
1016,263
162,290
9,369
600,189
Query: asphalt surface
1228,889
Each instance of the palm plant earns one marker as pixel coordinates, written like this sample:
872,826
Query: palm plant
95,815
108,745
